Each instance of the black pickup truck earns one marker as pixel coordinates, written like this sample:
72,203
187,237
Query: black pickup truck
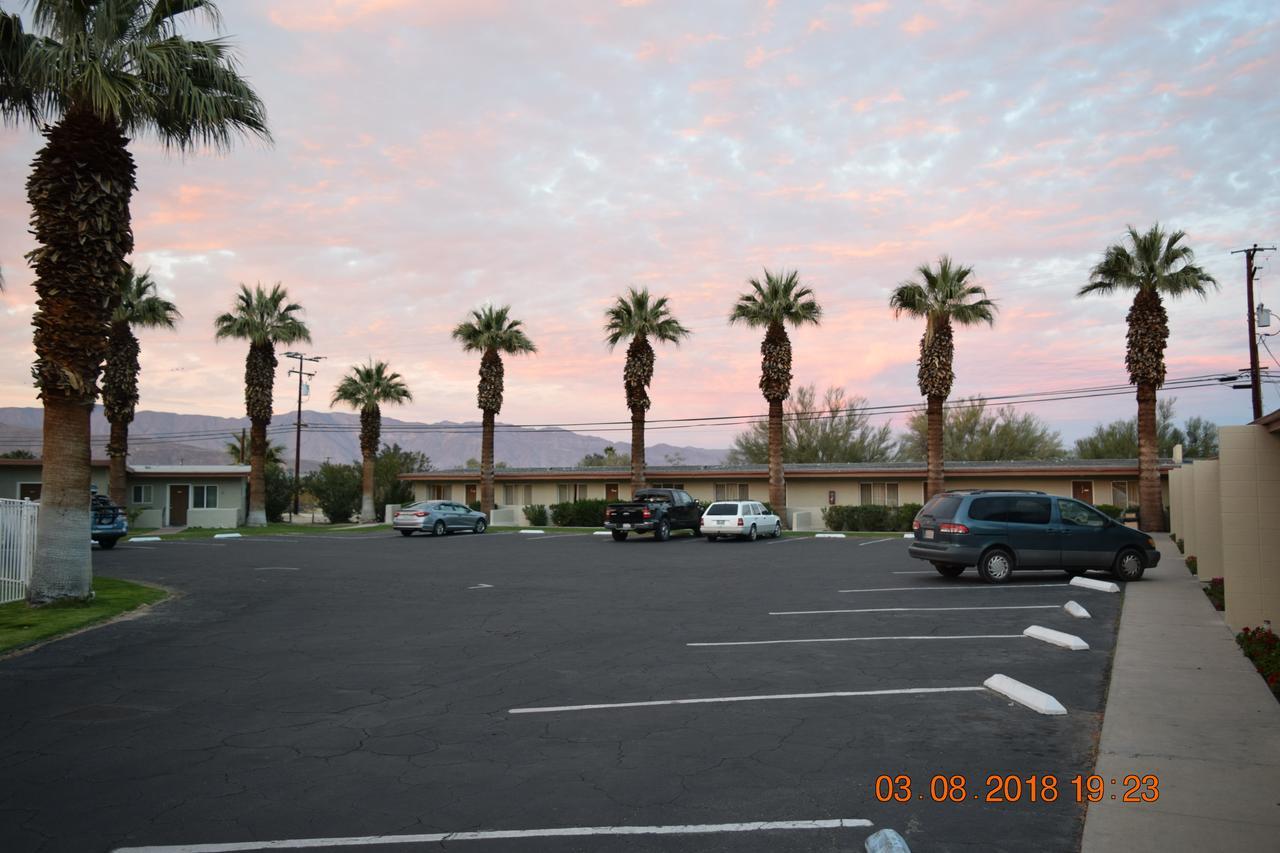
656,511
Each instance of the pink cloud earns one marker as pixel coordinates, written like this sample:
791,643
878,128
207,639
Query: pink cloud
1160,152
919,24
864,12
953,97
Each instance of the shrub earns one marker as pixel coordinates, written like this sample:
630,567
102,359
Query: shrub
1217,593
1110,510
1261,646
584,513
336,489
1191,564
1181,549
536,514
870,517
279,492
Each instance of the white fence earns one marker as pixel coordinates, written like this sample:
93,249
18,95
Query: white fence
17,548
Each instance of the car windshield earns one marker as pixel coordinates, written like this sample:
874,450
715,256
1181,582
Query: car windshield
722,509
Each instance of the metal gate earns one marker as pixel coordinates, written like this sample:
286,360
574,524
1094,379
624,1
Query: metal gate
17,547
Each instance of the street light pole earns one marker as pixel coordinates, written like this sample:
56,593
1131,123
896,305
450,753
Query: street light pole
297,432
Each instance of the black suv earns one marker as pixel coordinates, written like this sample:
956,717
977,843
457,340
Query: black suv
1000,531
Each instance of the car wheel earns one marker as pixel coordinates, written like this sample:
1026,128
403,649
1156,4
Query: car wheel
996,566
949,570
481,525
751,534
106,544
1128,565
406,532
619,535
439,529
663,533
777,530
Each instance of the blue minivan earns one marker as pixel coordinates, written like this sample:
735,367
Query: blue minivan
1003,531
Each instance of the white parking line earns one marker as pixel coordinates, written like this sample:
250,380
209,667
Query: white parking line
556,832
916,572
913,609
864,639
954,588
872,542
835,694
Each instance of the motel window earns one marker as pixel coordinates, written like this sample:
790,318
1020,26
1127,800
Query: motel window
28,491
141,496
204,497
667,485
731,492
1120,494
566,492
439,491
517,494
879,494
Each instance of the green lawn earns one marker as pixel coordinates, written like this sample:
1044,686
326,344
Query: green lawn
860,534
22,625
269,530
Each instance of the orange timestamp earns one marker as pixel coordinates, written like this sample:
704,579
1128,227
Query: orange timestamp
1012,788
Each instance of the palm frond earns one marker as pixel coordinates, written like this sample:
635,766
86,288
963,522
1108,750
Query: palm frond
636,314
490,328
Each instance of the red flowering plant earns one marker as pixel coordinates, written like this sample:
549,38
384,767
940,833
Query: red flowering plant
1217,593
1262,647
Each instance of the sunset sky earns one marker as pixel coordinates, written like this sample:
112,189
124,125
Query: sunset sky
430,156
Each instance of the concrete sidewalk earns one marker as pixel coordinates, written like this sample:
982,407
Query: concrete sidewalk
1187,707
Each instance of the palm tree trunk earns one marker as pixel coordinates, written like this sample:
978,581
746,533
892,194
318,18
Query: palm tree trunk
933,412
257,474
486,466
366,488
118,451
637,450
1150,500
64,567
777,481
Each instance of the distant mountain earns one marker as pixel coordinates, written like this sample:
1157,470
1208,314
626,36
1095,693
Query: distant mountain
168,438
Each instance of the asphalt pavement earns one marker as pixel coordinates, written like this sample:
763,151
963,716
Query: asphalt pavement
374,686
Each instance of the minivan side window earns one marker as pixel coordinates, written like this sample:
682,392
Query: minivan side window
989,509
1029,511
1079,515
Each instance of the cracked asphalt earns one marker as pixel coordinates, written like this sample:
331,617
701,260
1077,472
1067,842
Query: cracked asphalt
344,686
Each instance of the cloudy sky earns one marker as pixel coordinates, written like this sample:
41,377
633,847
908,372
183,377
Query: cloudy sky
429,156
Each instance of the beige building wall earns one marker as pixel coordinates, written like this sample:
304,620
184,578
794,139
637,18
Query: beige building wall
11,478
1191,539
1250,501
1207,519
230,511
1176,501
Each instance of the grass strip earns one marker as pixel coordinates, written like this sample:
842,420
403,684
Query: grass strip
22,625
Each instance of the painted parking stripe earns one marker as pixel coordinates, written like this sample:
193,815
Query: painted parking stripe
872,542
987,586
556,832
864,639
913,609
835,694
916,572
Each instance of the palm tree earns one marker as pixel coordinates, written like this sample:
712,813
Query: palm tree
1152,265
366,386
780,301
92,75
238,449
264,320
490,331
140,307
942,297
640,317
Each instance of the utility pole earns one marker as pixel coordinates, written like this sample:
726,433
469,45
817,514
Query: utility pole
297,431
1255,382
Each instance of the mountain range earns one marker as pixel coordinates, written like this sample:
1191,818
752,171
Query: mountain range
159,438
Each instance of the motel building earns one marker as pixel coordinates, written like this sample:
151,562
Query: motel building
810,487
163,495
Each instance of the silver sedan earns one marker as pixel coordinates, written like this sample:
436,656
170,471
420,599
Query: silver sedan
438,518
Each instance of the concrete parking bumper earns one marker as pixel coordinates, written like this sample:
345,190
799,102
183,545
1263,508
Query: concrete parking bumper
1186,707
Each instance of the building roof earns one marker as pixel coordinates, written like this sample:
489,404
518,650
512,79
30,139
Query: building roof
808,470
1271,421
148,470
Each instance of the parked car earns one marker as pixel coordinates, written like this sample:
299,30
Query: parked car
108,523
656,511
1003,531
438,517
739,519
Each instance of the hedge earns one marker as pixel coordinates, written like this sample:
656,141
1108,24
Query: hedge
587,513
536,514
870,517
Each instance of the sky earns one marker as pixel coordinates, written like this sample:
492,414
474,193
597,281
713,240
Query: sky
429,157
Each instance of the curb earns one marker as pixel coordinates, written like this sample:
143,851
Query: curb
1056,638
1090,583
1025,694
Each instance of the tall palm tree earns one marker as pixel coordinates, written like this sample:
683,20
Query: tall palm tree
238,449
640,317
490,331
140,307
90,76
264,319
779,301
942,296
363,389
1153,264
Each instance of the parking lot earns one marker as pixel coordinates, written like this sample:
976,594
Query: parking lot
557,692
